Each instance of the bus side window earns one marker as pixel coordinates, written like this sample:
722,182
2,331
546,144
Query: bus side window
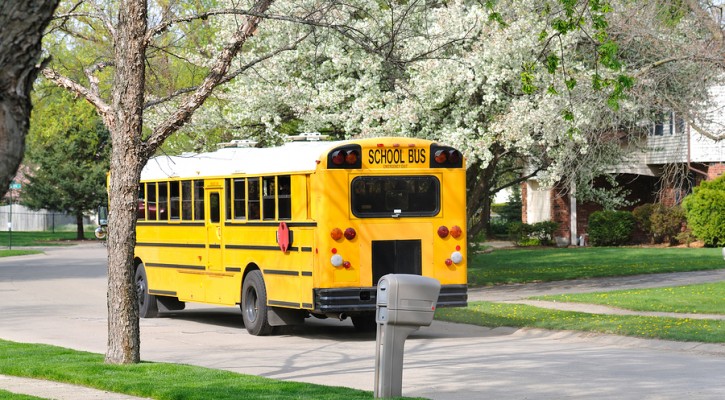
239,196
214,208
141,210
174,200
284,200
163,201
268,207
199,200
186,200
253,199
151,201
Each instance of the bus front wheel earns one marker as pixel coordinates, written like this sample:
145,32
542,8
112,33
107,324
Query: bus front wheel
147,306
254,305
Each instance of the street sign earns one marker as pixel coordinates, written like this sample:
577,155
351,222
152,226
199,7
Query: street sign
15,186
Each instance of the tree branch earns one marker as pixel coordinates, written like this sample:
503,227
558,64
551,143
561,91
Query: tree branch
104,109
214,78
228,77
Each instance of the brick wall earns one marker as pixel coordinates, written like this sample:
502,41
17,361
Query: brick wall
715,170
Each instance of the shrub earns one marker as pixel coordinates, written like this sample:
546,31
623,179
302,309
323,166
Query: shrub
666,223
642,215
705,209
540,233
610,228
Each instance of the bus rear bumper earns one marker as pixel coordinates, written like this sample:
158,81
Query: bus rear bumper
357,300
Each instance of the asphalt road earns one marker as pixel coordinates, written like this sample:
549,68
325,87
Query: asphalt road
60,298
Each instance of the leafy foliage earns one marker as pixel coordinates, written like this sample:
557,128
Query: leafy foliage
540,233
610,228
705,209
68,149
659,222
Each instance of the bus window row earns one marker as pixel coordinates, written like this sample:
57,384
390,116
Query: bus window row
266,198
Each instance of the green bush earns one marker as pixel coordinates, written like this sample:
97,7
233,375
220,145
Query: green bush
666,223
705,209
540,233
642,215
610,228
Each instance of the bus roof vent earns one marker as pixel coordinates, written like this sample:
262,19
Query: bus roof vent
308,136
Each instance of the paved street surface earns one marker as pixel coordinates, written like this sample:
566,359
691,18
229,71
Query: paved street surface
60,298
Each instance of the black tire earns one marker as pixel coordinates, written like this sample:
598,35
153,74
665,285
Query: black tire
364,322
254,305
147,306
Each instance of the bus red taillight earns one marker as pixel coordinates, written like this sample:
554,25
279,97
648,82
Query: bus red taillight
442,231
346,264
338,157
350,233
336,234
456,231
351,157
441,156
454,156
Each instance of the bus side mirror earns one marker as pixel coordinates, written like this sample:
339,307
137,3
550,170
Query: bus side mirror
102,231
102,215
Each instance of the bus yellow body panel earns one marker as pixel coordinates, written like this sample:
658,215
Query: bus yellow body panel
321,234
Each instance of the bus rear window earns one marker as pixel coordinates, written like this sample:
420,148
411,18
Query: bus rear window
395,196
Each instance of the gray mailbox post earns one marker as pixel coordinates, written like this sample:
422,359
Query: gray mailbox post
404,304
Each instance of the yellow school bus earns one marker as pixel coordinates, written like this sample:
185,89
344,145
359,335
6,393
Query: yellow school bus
304,229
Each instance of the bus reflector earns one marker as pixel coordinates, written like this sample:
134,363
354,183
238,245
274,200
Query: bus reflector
449,262
443,231
456,231
346,264
350,233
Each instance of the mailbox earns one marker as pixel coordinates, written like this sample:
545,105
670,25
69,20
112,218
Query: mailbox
406,299
404,304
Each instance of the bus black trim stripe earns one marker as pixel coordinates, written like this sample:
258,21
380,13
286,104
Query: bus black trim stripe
283,303
266,248
177,266
215,246
162,292
308,306
233,269
180,245
281,272
306,273
164,223
272,223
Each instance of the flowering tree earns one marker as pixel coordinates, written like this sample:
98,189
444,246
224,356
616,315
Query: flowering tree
549,88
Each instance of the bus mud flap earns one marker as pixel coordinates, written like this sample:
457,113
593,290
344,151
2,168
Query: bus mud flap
278,316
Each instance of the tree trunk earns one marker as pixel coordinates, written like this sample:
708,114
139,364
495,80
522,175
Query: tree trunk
22,24
126,164
79,226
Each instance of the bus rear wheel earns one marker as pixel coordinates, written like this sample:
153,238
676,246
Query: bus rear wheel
254,305
147,306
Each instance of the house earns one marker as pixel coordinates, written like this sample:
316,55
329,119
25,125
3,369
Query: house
671,144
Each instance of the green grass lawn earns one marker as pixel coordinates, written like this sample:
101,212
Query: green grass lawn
544,265
11,253
5,395
40,238
155,380
517,315
706,298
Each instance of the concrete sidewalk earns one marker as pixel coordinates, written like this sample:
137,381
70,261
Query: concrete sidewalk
56,390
